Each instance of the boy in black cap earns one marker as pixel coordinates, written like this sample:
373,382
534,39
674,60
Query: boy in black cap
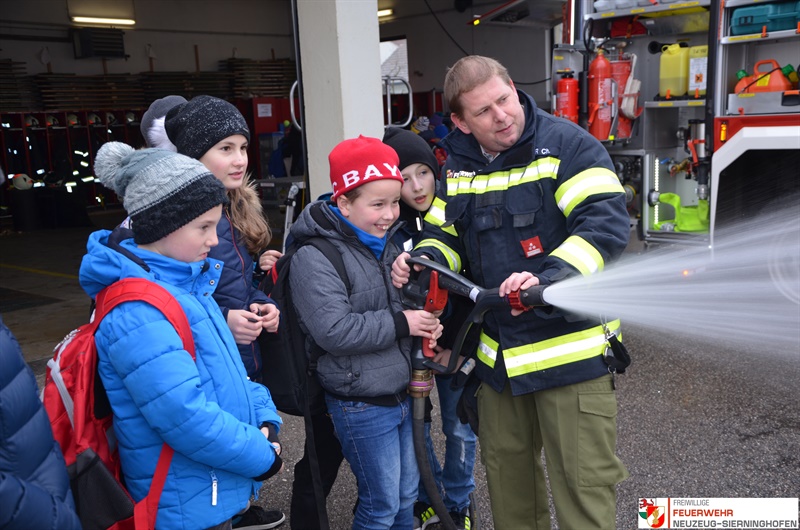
454,479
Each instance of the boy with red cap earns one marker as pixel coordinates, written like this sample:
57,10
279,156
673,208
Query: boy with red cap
366,333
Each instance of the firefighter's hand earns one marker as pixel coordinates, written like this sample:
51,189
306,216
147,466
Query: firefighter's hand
267,260
516,282
402,270
270,316
443,357
245,325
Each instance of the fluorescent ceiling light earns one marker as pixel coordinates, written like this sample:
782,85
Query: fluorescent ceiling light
385,12
112,21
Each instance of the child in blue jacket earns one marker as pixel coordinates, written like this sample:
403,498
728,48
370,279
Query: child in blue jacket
219,423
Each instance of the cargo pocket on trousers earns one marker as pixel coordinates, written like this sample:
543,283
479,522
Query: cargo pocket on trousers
598,464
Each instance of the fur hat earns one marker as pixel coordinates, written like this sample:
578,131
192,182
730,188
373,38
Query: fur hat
360,160
410,148
199,124
152,124
161,190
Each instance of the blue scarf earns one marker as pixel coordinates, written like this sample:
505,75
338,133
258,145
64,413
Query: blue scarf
375,244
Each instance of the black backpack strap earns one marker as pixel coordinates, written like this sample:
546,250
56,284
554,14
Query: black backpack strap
333,255
313,464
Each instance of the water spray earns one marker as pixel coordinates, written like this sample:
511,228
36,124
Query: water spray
745,291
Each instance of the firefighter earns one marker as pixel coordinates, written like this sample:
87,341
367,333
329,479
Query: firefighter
532,199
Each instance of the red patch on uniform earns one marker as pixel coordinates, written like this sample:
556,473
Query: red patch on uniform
531,247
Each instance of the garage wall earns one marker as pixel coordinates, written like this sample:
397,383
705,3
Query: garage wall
250,29
261,29
431,51
169,31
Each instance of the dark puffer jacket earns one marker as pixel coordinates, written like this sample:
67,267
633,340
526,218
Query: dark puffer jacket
235,289
34,487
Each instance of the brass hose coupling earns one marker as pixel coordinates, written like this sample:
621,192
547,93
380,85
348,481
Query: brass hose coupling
421,383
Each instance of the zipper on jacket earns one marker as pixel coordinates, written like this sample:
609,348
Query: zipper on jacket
213,487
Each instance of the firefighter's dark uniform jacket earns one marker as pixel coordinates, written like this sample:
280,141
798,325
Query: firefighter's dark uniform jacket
551,205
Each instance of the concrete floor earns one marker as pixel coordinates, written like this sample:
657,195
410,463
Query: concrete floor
696,419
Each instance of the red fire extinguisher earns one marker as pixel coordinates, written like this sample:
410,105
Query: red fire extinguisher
600,97
567,101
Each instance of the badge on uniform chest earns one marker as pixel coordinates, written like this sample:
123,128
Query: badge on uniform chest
531,247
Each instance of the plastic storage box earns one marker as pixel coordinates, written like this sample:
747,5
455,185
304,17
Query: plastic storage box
778,16
604,5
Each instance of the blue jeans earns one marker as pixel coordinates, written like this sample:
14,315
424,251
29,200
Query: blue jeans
455,480
378,444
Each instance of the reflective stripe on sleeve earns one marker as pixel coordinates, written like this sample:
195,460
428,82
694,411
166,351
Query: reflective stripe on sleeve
453,259
593,181
580,254
436,217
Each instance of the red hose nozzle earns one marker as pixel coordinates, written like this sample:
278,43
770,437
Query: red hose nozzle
514,301
528,298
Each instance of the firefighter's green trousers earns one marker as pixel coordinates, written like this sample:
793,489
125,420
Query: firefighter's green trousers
577,427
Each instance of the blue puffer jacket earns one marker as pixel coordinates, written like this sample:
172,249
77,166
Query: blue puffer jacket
206,410
235,289
34,487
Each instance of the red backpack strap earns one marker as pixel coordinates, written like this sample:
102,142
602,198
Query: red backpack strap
142,290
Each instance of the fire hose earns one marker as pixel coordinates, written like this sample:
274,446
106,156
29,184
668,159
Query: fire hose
429,290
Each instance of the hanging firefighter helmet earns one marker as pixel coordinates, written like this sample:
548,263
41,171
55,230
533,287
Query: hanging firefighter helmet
22,181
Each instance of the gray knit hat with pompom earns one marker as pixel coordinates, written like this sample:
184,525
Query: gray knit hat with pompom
162,191
198,125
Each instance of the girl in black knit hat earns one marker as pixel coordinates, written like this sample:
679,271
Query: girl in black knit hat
214,132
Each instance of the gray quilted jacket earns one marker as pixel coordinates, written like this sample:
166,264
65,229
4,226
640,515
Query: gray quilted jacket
364,334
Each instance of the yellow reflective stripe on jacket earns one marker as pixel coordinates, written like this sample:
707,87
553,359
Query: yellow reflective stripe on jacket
453,259
557,351
580,254
487,350
435,216
593,181
503,180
